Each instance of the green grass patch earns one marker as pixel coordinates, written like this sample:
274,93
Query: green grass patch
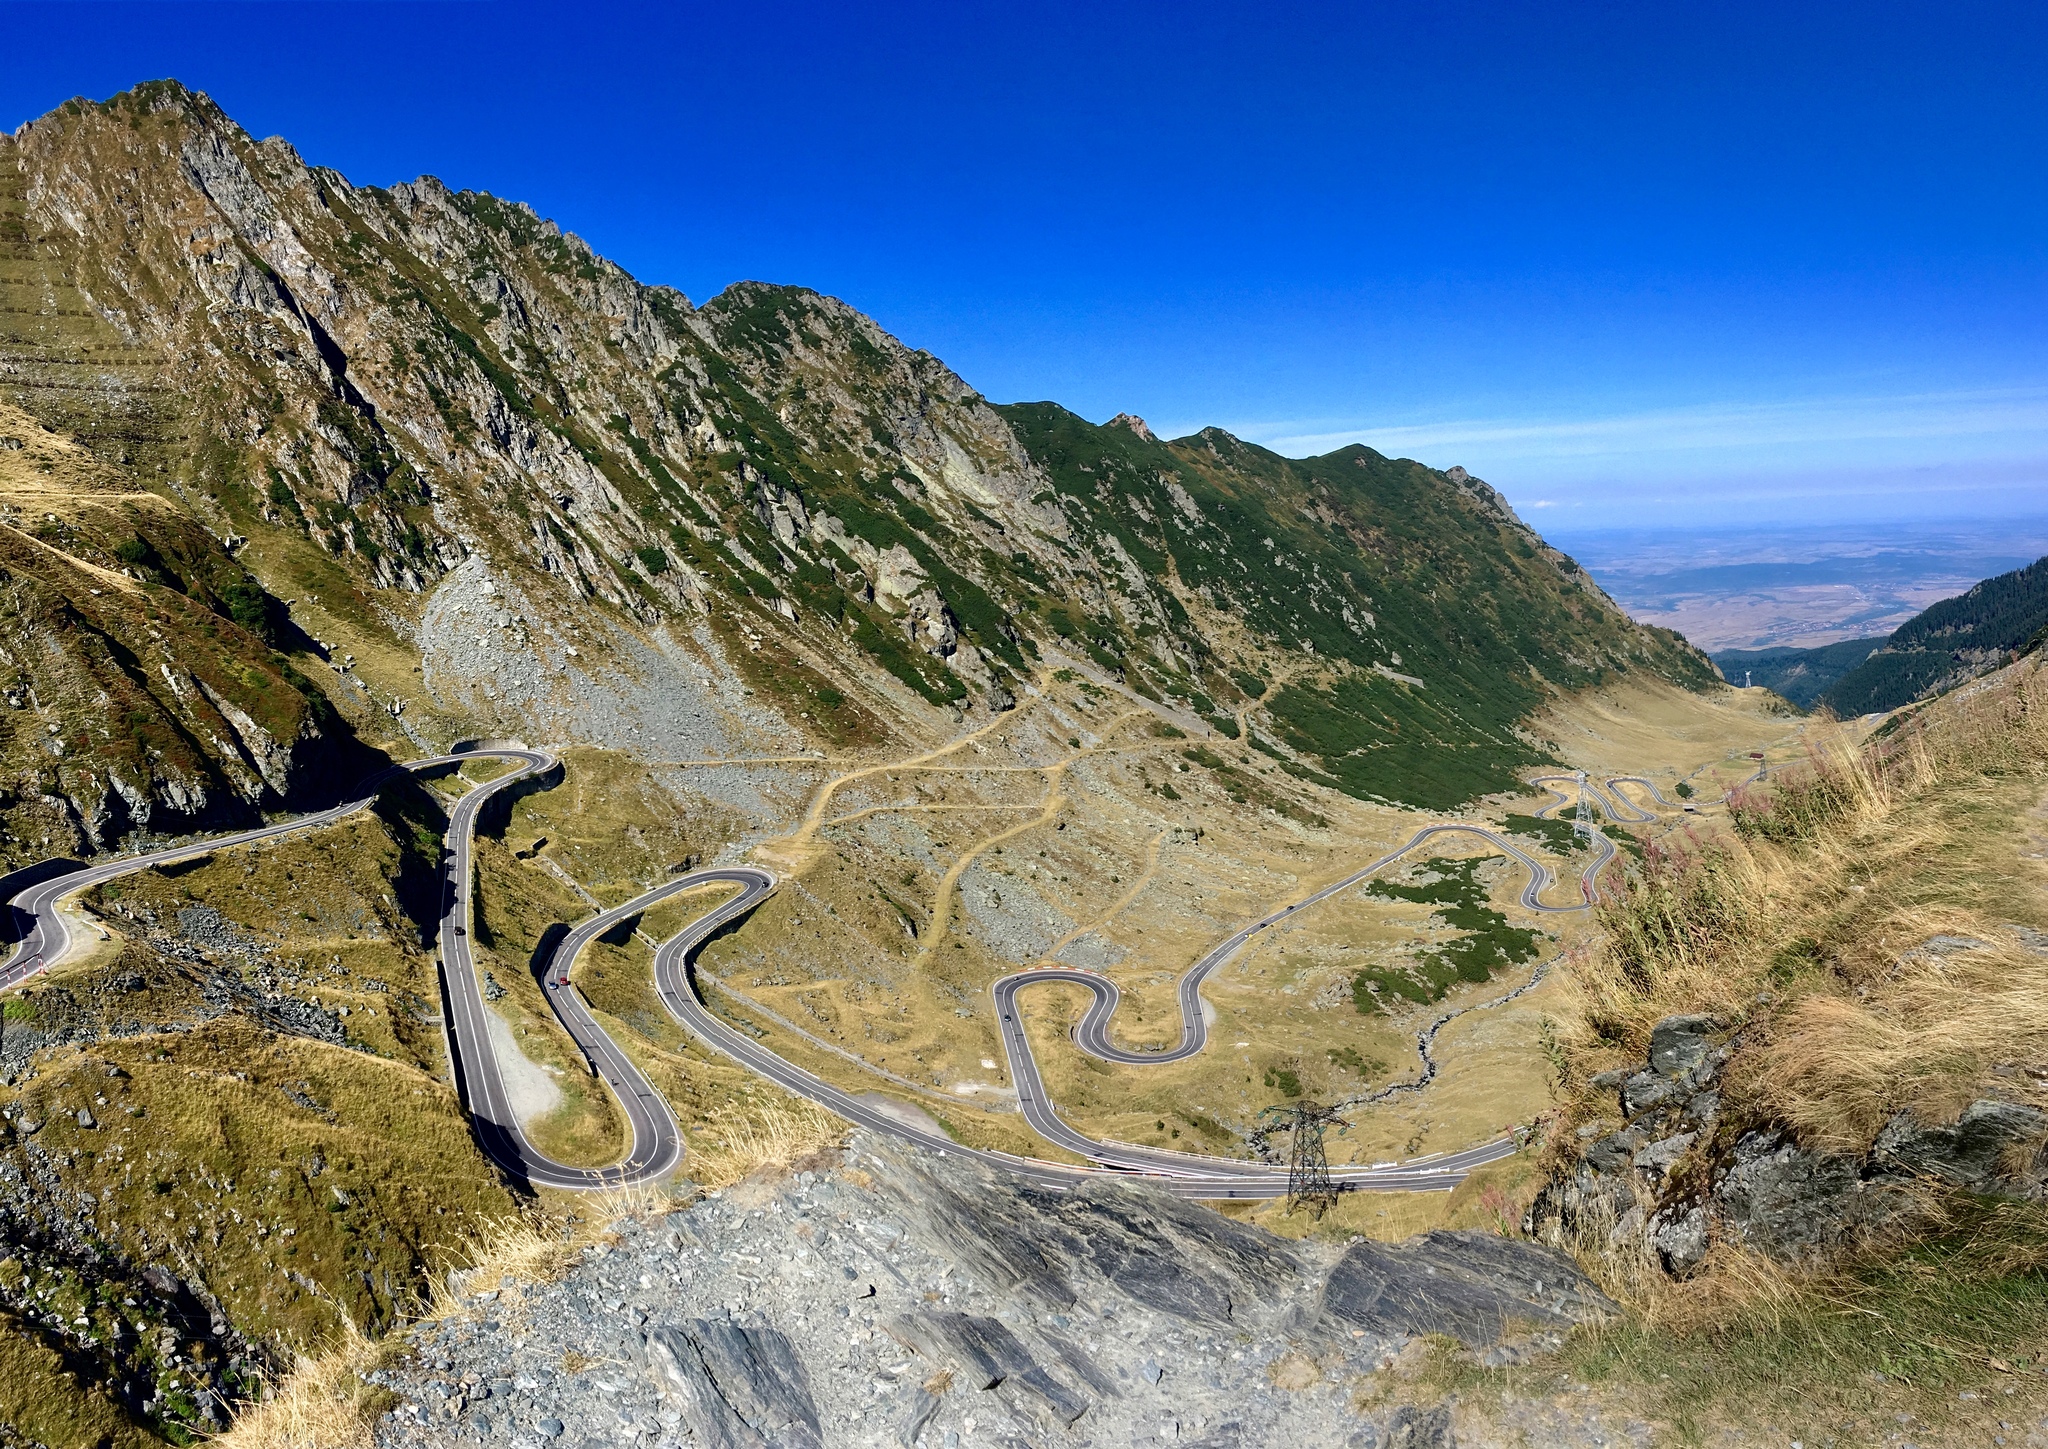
1348,1058
1285,1080
1557,834
1839,1360
1487,943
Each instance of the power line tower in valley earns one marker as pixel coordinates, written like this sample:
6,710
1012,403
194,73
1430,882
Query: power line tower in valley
1309,1183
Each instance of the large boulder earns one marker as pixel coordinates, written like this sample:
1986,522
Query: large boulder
1679,1045
1975,1151
1788,1202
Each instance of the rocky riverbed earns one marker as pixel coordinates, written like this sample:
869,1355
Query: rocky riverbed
877,1296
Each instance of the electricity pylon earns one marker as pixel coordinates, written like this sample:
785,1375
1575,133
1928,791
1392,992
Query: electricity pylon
1309,1183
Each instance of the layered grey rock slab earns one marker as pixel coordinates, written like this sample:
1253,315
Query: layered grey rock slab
1974,1151
899,1299
736,1387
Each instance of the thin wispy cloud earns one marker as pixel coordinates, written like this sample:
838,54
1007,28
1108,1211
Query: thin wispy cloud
1874,418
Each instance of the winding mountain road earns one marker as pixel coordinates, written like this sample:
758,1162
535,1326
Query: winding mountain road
46,936
1183,1174
657,1141
657,1148
1614,781
1609,802
1092,1036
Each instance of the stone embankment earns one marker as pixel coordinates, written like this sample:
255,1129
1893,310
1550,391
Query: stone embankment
885,1297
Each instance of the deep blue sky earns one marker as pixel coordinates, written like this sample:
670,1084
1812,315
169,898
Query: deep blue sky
1657,262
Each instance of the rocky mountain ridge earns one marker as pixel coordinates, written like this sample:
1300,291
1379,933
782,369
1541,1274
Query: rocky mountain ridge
140,677
354,390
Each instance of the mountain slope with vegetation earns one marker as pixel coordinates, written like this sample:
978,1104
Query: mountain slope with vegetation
1393,622
144,673
1948,643
357,389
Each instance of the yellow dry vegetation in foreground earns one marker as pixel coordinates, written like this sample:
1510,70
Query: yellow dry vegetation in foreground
1805,928
255,1162
326,1402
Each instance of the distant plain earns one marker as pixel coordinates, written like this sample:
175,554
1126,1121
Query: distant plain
1731,588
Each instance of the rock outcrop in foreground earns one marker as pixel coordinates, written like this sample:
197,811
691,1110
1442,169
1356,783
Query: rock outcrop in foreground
1680,1174
888,1298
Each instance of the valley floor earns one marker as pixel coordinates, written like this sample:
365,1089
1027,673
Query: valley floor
1085,828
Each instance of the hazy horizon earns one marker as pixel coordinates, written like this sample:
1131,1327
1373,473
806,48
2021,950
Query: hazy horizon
1735,586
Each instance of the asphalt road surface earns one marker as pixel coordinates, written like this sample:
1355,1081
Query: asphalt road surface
1184,1174
1091,1035
657,1144
1609,802
46,939
657,1147
1614,781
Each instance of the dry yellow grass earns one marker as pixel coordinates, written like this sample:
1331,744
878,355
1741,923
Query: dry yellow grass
529,1247
183,1114
1807,925
1684,935
322,1403
325,1402
1838,1065
751,1136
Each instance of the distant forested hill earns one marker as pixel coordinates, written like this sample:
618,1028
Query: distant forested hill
1948,643
1800,675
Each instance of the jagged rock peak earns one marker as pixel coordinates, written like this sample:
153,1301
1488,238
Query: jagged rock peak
1135,423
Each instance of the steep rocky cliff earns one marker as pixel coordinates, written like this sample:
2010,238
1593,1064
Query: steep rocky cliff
360,391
